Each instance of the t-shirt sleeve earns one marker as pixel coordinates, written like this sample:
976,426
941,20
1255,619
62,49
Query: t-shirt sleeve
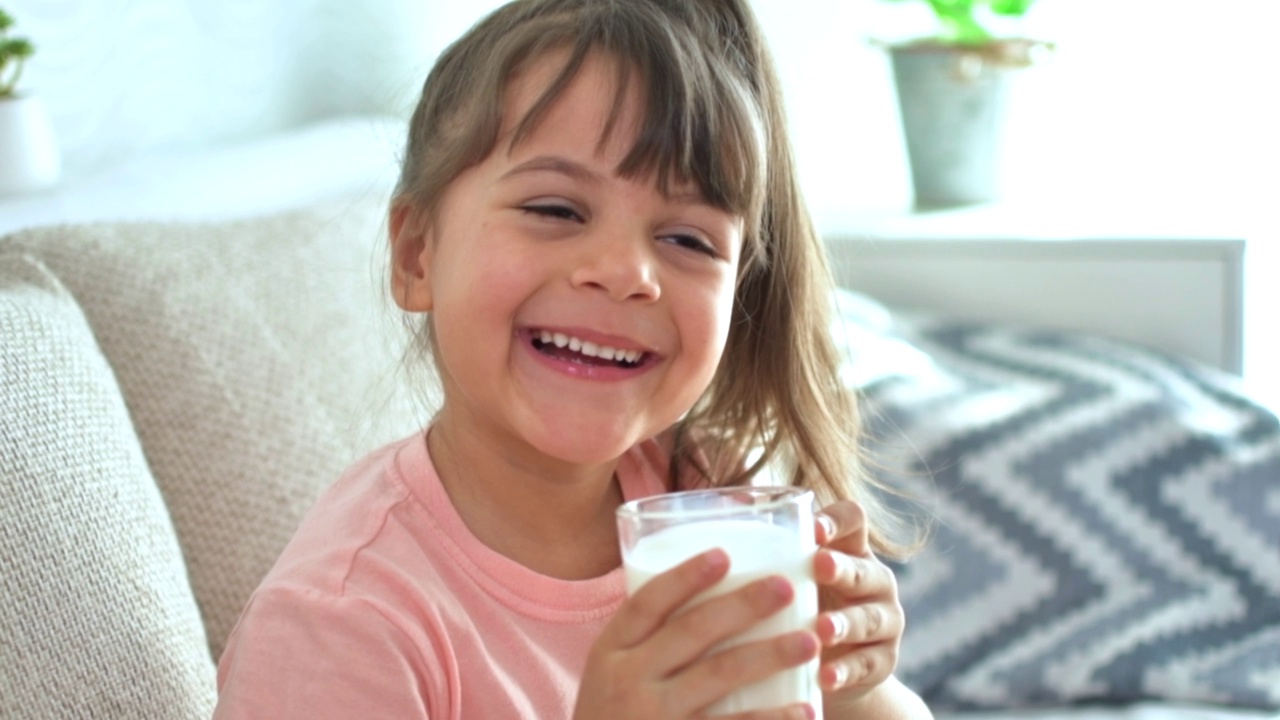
300,653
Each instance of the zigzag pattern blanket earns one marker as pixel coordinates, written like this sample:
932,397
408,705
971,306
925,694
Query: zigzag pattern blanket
1106,519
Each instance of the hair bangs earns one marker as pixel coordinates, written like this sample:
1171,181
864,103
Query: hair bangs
699,128
699,124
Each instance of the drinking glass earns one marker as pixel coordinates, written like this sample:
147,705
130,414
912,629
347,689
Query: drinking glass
765,531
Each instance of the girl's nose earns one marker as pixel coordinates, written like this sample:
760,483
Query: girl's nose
624,267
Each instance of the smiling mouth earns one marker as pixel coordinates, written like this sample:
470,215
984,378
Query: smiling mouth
572,349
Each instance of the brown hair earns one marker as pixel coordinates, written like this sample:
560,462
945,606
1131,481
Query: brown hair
713,116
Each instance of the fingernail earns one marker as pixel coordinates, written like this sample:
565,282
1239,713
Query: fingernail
803,645
805,711
714,561
839,626
841,676
780,587
828,526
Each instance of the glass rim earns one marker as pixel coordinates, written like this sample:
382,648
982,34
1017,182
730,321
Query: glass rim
783,495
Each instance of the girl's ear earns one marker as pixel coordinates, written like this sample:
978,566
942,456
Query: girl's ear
411,249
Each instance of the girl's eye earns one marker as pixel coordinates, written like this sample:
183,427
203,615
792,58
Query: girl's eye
552,210
693,242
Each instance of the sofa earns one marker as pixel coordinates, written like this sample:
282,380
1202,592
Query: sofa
177,384
175,396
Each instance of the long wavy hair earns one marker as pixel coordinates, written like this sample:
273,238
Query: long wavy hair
713,116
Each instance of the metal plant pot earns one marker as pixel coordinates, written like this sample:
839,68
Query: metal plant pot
953,105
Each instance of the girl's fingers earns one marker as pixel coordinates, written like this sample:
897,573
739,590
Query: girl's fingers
714,676
863,624
844,524
789,712
852,576
691,634
863,632
653,603
863,667
659,657
868,610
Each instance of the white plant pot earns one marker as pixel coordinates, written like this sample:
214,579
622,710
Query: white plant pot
953,123
29,158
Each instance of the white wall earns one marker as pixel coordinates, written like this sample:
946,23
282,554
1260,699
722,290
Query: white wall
1148,106
1147,100
126,78
1154,116
1158,99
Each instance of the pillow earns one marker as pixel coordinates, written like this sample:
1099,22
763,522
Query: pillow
98,617
257,360
1106,521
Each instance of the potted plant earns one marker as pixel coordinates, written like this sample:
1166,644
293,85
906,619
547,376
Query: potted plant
28,151
952,90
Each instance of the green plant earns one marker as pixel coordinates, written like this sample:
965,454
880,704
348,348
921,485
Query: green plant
962,28
14,51
961,24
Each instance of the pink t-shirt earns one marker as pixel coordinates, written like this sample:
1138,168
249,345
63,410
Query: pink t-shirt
384,605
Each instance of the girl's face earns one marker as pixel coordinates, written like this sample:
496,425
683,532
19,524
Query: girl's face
576,312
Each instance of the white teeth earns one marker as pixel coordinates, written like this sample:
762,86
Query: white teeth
590,349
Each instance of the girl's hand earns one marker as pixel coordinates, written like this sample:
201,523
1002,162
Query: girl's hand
860,619
649,662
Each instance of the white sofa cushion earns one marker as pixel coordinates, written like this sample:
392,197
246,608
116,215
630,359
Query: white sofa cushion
253,355
97,615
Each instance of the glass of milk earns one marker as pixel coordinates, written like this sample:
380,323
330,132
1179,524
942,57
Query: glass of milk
765,531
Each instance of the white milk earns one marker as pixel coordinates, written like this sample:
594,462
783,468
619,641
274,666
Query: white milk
756,550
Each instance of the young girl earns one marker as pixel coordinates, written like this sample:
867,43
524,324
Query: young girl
599,226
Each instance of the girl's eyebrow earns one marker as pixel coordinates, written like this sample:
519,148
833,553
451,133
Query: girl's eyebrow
581,173
555,164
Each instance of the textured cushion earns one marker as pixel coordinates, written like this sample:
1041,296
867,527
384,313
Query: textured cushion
96,615
253,356
1107,520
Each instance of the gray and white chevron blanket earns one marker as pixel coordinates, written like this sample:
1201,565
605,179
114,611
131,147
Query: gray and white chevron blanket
1105,518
